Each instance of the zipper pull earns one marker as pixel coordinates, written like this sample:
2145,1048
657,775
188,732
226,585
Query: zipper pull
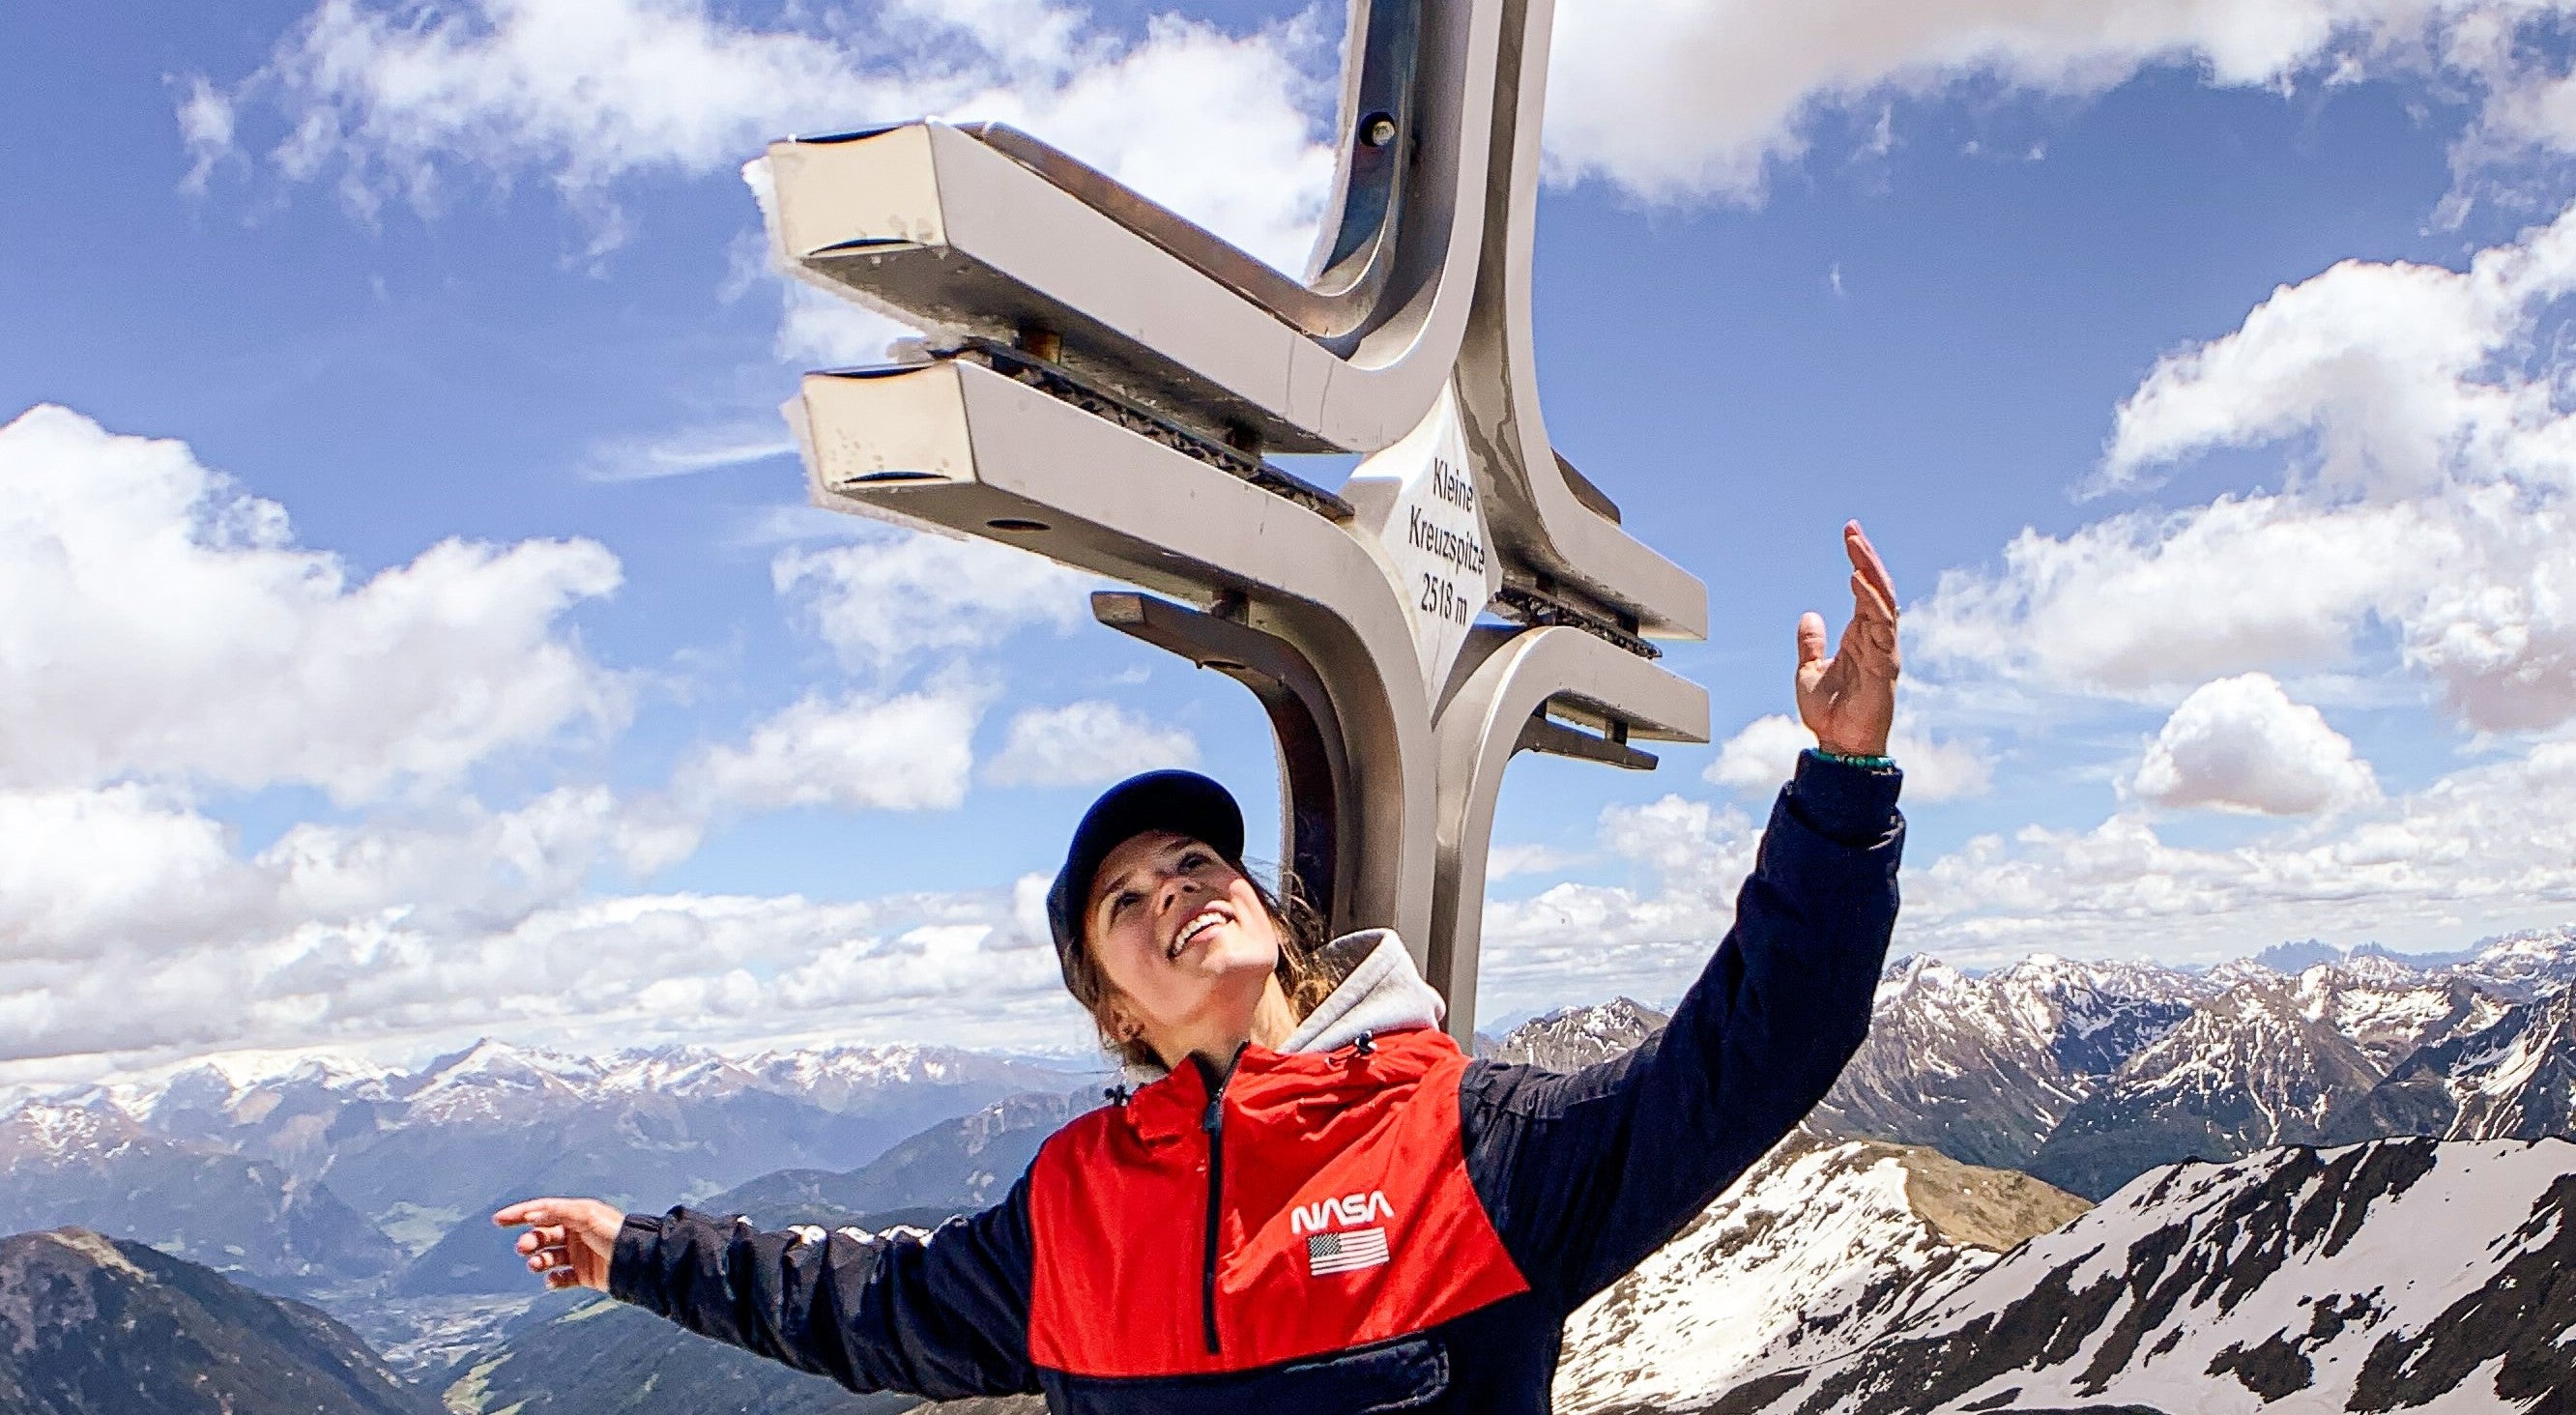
1365,1044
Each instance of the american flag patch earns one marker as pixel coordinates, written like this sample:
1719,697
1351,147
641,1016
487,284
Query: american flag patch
1329,1253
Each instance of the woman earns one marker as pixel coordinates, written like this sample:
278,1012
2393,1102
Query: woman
1321,1205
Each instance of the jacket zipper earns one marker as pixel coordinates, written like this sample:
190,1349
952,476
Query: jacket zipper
1213,1123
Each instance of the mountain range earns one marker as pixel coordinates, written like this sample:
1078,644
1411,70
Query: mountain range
2088,1074
1925,1244
330,1175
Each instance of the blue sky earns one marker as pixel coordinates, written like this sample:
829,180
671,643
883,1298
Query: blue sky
2238,604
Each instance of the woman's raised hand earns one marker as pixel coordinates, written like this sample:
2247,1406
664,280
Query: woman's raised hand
569,1241
1849,700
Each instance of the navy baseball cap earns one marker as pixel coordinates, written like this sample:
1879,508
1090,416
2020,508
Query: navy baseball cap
1182,802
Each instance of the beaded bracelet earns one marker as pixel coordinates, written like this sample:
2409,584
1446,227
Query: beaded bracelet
1850,759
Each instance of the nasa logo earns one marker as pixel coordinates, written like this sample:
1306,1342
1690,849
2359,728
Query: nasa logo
1348,1209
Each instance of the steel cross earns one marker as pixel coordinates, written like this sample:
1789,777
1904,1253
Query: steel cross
1102,381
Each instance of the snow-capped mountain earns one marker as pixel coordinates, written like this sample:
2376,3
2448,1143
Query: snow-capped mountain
1576,1037
2513,1079
347,1152
2264,1060
1818,1250
2409,1274
2524,965
1986,1068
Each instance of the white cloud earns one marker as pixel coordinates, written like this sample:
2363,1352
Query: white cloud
1760,759
1575,941
906,753
81,870
2435,509
2489,847
898,594
396,101
1682,99
2240,744
163,624
689,450
1507,861
595,973
1085,743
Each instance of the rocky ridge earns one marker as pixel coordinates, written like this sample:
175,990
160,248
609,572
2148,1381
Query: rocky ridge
2398,1274
90,1325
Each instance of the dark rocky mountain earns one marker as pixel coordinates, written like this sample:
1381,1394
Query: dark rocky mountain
953,1167
1576,1037
95,1166
1986,1068
2514,1079
2386,1276
89,1326
2262,1061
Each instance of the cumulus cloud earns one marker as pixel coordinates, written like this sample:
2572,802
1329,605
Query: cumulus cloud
166,625
2488,847
1648,938
1762,757
896,594
394,103
911,752
2240,744
2427,499
600,972
1086,743
1686,99
170,634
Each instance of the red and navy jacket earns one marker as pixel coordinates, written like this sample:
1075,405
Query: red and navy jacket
1382,1225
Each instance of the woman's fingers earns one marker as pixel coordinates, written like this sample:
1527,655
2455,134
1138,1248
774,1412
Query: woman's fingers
1811,638
526,1211
566,1240
1867,564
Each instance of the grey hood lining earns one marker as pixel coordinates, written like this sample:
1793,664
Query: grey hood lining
1380,993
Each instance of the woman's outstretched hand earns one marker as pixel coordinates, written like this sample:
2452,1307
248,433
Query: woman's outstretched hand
569,1241
1849,700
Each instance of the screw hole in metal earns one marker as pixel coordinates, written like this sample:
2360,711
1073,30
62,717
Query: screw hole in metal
1377,129
1017,525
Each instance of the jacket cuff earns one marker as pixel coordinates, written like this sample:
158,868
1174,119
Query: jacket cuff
632,1268
1847,804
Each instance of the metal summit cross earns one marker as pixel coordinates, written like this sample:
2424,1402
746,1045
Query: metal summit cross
1104,379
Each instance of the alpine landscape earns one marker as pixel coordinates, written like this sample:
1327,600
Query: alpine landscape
2303,1181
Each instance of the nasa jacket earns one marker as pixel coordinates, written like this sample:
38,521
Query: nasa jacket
1363,1220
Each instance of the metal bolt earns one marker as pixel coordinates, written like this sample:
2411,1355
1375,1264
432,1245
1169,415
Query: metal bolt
1377,130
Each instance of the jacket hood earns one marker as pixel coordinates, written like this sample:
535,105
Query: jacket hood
1380,992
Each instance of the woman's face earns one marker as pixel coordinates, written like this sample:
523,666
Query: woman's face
1182,939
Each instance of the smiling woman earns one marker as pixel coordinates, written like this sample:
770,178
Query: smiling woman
1314,1200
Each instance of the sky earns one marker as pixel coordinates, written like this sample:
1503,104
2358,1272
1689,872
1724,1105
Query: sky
416,631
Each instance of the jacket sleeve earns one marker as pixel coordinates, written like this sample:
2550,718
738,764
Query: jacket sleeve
1587,1172
943,1316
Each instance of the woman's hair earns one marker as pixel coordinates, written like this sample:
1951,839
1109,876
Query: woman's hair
1302,935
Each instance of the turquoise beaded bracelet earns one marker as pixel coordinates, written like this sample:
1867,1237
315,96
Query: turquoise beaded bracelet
1848,759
